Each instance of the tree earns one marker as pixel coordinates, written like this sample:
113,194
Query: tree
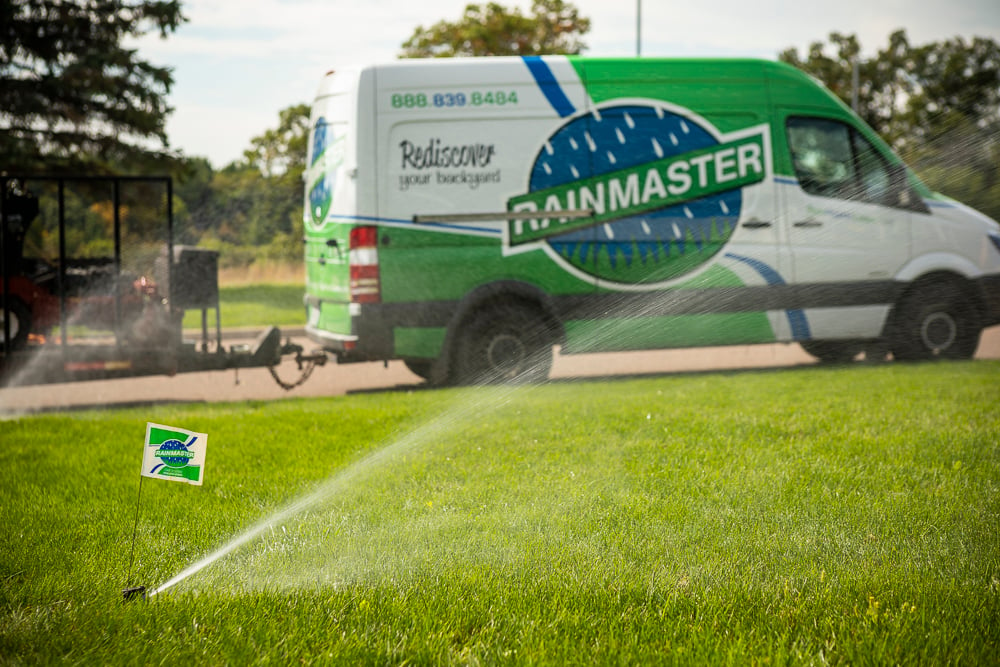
253,206
282,151
881,80
193,195
958,82
555,27
907,92
71,95
277,159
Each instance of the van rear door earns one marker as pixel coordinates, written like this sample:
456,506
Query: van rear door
331,207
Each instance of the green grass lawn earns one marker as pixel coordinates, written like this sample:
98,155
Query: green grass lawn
844,515
255,306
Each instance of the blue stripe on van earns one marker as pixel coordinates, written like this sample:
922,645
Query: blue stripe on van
796,318
546,80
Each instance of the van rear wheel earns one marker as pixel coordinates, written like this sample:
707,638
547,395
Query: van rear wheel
506,343
939,322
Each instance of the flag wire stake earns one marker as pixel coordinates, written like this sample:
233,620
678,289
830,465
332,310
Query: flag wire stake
135,530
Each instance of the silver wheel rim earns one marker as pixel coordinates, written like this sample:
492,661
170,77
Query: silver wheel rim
938,331
15,325
506,354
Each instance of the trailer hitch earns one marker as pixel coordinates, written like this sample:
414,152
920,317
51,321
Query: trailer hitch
306,363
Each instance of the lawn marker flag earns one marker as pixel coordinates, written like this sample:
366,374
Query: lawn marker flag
174,454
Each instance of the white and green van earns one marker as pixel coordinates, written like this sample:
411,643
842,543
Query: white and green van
466,215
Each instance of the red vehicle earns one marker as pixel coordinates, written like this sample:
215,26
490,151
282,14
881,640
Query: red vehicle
110,300
24,302
35,295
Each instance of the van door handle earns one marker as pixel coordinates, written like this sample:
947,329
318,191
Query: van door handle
321,260
808,223
756,224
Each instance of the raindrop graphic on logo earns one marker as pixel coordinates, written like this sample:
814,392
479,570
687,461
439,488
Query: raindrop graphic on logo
174,453
321,192
666,192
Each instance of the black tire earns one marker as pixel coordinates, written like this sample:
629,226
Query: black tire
505,343
420,367
20,323
831,351
936,322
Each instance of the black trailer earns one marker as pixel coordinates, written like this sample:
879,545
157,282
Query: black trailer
93,286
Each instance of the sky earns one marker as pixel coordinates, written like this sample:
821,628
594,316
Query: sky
237,63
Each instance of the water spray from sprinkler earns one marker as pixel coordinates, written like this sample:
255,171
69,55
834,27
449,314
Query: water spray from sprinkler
490,399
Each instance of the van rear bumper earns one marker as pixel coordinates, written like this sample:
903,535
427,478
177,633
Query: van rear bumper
330,340
371,337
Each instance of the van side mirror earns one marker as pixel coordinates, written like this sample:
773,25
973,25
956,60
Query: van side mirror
903,196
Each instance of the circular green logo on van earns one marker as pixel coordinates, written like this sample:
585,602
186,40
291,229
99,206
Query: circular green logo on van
664,192
327,152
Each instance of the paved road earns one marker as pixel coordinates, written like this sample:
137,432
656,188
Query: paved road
333,379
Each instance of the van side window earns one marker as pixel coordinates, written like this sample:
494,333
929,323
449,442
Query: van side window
832,159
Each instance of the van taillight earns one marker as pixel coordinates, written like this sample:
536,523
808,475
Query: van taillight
363,259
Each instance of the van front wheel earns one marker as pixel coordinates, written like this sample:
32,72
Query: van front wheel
504,344
939,322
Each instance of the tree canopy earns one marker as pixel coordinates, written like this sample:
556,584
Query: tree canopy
554,27
907,92
282,151
71,94
253,206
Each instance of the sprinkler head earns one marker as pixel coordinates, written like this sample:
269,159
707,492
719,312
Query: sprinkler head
134,593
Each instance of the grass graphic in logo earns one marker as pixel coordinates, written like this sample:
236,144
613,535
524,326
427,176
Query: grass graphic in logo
666,192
